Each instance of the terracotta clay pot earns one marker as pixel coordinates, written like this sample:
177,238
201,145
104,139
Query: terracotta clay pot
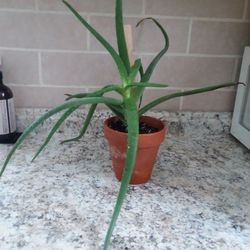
148,146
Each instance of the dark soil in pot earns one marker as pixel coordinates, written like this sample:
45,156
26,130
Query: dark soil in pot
144,128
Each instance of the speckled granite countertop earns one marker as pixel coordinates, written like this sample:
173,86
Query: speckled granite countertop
198,197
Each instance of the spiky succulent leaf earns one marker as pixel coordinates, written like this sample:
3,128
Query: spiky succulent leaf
146,76
133,133
85,124
66,105
120,65
146,85
134,70
99,92
120,35
117,110
54,129
141,70
184,93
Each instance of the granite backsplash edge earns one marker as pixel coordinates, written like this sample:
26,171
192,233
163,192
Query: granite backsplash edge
178,123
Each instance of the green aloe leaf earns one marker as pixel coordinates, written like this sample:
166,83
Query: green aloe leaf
184,93
146,76
120,65
117,110
54,129
133,133
85,125
134,70
120,34
68,104
99,92
138,88
146,85
141,70
79,95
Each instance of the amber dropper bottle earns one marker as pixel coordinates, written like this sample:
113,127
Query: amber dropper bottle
8,132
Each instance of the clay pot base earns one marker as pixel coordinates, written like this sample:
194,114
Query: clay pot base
148,146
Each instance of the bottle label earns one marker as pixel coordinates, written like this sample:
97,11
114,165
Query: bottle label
7,117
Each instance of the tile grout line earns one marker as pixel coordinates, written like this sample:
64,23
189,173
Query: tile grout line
228,89
86,88
245,10
171,54
189,36
53,50
209,19
187,18
48,86
40,68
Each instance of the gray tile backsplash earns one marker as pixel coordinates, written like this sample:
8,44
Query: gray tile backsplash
47,52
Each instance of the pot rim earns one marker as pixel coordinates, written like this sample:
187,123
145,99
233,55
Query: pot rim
162,130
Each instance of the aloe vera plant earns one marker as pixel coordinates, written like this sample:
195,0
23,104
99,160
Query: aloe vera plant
127,107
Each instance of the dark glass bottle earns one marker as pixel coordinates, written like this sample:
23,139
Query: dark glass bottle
7,114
